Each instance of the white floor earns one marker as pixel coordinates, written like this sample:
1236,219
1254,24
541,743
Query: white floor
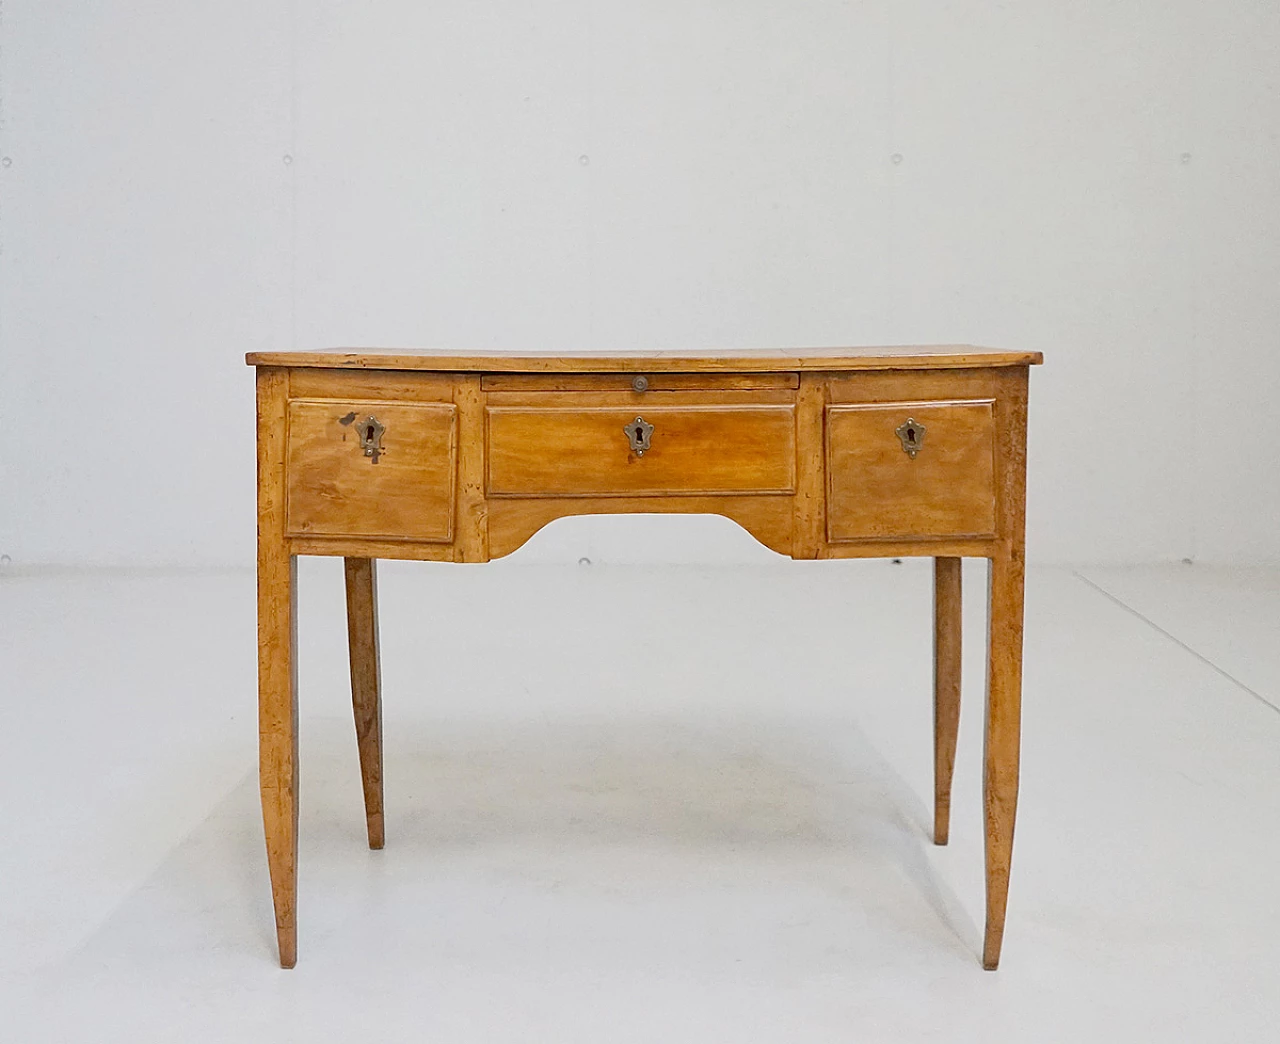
641,804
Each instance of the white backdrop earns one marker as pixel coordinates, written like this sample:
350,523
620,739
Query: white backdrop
183,182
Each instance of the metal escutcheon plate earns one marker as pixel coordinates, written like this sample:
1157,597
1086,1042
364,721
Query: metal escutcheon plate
640,435
911,433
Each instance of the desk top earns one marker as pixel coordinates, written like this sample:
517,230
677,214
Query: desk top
758,360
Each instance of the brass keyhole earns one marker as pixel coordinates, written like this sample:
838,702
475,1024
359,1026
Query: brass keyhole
639,434
911,434
370,431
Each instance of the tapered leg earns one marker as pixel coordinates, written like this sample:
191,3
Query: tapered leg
362,635
277,676
1003,726
946,689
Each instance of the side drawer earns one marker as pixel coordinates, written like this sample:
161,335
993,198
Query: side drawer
586,451
402,489
910,470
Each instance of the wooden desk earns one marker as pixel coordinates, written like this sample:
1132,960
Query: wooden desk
823,453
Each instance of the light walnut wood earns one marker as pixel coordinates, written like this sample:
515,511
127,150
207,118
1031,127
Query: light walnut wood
512,521
277,672
625,382
1002,735
391,385
1002,743
631,402
946,689
472,544
739,360
359,547
877,490
405,492
366,685
482,450
810,500
959,385
924,547
583,450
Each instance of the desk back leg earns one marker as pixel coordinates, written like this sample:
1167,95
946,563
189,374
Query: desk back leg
946,689
277,671
366,683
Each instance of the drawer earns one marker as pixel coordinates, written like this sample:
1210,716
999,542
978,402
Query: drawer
398,486
587,451
910,469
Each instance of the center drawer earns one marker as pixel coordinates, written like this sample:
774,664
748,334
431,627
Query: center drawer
601,451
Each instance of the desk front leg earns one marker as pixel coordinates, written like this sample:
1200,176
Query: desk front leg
277,670
278,739
1003,729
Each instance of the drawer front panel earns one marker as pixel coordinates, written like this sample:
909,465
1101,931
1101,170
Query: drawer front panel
910,469
402,488
585,452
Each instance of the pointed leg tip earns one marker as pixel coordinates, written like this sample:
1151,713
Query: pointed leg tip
991,957
287,941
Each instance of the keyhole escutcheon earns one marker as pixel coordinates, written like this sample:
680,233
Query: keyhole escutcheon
911,434
640,434
370,430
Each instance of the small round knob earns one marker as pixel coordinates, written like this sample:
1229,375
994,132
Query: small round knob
640,383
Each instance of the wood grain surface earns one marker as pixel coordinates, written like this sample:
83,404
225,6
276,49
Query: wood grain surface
946,689
405,492
361,575
748,360
877,490
277,665
583,450
1003,726
482,450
